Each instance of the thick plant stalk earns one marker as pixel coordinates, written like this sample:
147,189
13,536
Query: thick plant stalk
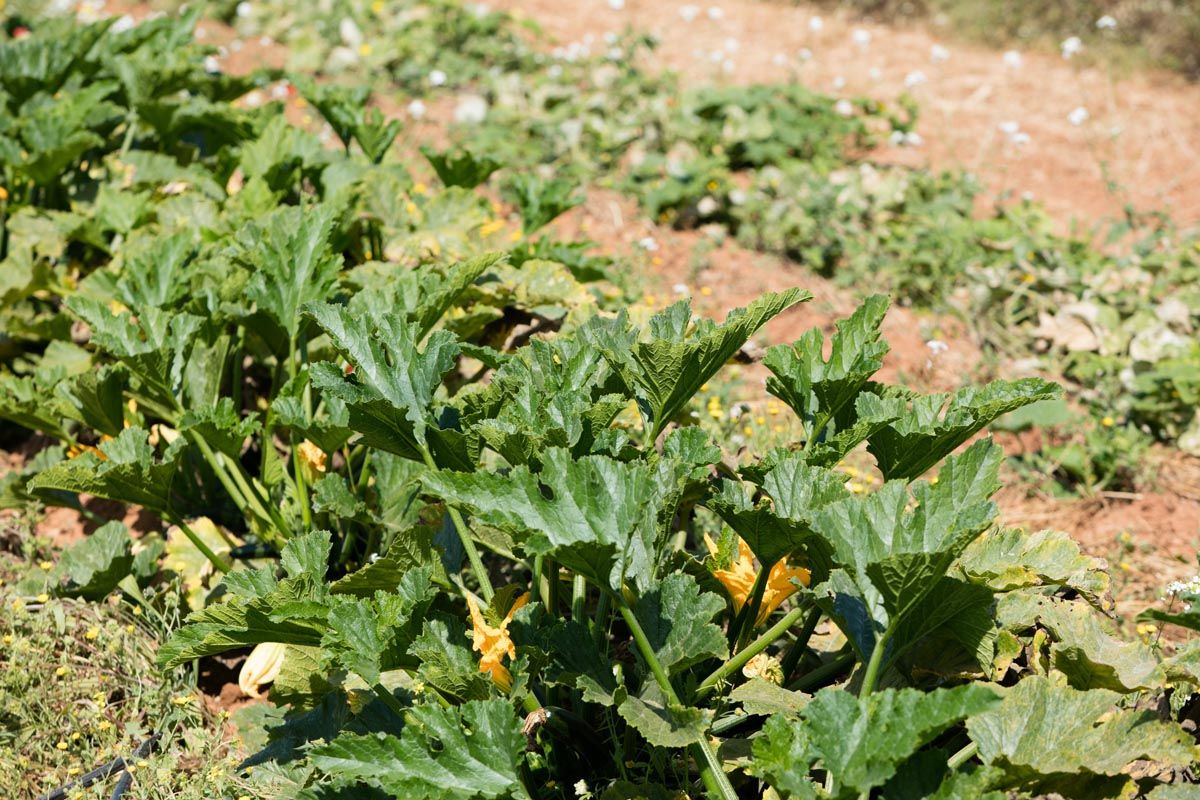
711,772
876,661
464,536
216,560
750,651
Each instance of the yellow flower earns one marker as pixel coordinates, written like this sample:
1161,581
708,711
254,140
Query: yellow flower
515,236
1108,422
739,579
364,49
261,667
419,188
706,290
92,634
490,227
3,194
62,745
377,7
493,643
312,460
43,598
103,725
46,566
61,671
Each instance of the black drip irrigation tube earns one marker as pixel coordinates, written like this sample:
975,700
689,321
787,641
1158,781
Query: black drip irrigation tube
118,764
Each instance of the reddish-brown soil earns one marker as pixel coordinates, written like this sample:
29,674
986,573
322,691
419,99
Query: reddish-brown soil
1143,133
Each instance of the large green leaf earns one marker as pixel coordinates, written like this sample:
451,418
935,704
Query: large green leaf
891,555
594,515
93,567
861,740
679,354
663,724
262,608
472,751
369,636
933,426
291,262
1013,559
1090,656
677,619
819,389
96,398
390,393
1042,731
128,472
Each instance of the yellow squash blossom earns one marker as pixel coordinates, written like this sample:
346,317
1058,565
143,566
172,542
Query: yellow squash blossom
312,460
493,643
261,667
739,579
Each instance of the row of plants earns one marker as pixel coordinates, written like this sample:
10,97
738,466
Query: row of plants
790,171
408,452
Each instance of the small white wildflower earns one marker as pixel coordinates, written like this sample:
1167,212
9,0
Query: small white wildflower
244,9
779,60
1021,138
437,78
253,99
861,37
731,45
804,54
266,41
680,288
350,33
1012,59
1009,127
1071,46
875,73
581,788
737,197
125,23
279,91
616,5
707,206
914,79
615,54
728,66
839,83
689,12
844,108
715,12
649,244
937,346
1078,116
816,24
913,139
896,138
416,109
611,38
1106,23
211,66
938,53
471,109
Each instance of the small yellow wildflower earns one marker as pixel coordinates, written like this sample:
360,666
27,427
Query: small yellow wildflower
490,227
61,671
43,598
760,420
747,431
1147,629
778,429
62,745
515,236
706,290
18,605
420,188
45,566
103,725
739,580
1108,422
3,194
1028,277
129,628
410,207
137,611
181,699
712,186
493,643
376,8
312,460
301,102
92,634
773,408
76,736
704,387
8,638
73,771
364,49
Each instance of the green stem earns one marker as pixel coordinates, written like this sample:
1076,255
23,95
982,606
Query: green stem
578,598
962,756
301,488
818,676
801,644
216,560
464,536
389,699
750,651
714,777
872,674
